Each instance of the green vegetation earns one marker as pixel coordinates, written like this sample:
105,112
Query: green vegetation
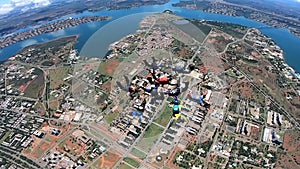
131,57
259,97
165,116
36,87
47,63
232,122
229,28
231,73
102,67
57,76
52,52
103,97
49,139
220,159
150,137
124,166
138,153
204,146
220,42
193,31
168,12
245,149
5,136
201,5
233,105
152,131
204,28
187,161
181,50
166,167
110,117
132,162
215,165
20,81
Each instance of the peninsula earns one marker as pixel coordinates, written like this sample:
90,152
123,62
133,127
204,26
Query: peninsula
50,27
261,11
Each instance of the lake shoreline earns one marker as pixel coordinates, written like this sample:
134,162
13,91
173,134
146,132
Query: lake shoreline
85,31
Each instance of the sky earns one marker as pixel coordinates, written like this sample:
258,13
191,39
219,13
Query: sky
7,6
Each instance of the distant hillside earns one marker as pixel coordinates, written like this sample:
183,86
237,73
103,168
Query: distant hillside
292,7
18,19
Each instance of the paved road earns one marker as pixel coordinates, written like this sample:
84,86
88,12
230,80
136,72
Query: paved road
140,136
20,97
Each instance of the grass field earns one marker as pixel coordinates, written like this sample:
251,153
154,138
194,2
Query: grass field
153,131
231,74
185,39
161,53
151,135
35,88
193,31
132,162
165,116
146,143
40,108
138,153
108,67
110,117
229,28
132,57
96,164
5,136
57,76
166,167
124,166
53,103
204,28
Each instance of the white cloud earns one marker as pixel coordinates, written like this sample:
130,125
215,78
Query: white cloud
6,8
18,3
41,3
12,4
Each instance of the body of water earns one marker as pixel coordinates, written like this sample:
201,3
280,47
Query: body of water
104,33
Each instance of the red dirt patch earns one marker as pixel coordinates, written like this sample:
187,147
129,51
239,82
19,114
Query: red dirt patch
292,145
211,41
24,86
109,159
76,147
38,151
255,132
245,90
111,66
286,143
169,163
107,86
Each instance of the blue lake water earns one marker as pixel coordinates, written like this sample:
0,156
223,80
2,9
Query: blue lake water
116,28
